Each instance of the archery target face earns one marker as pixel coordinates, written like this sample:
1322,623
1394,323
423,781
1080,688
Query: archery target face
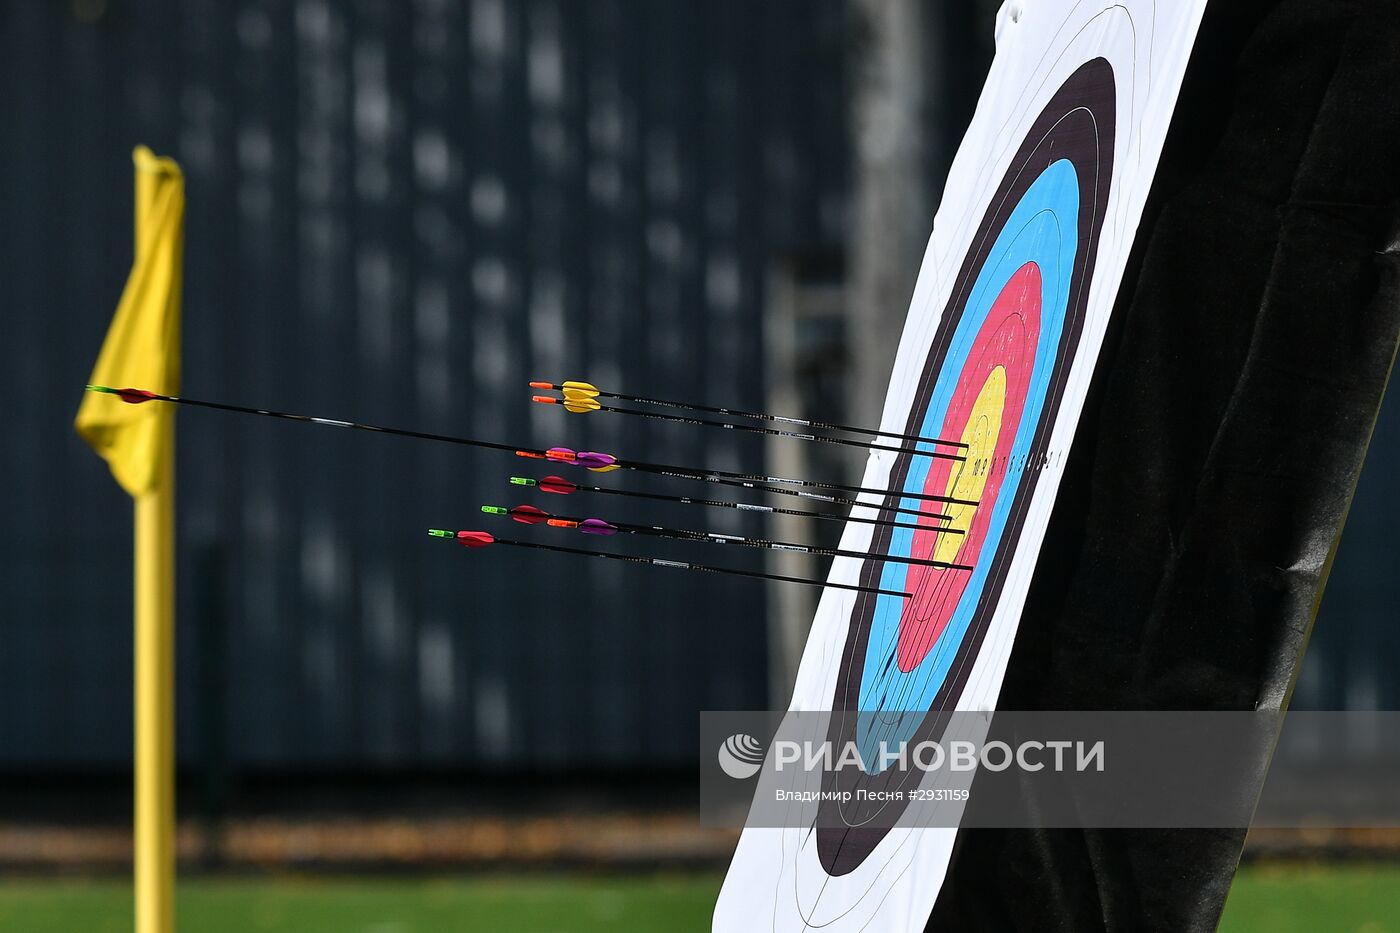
993,379
1003,332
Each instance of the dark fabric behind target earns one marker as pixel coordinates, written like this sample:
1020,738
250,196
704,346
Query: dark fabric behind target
1220,447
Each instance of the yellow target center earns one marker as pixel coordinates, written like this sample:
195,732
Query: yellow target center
967,478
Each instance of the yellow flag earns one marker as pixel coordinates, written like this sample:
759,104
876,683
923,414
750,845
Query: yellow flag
142,349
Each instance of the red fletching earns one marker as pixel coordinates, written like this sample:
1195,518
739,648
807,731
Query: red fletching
557,485
528,515
134,396
474,539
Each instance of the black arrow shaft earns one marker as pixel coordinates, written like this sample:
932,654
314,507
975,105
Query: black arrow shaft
699,568
762,509
776,432
336,423
780,419
711,537
732,478
723,477
804,494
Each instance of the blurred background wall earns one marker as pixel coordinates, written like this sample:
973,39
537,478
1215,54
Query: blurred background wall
401,213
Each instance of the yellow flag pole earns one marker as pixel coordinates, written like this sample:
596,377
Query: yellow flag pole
142,347
154,661
154,677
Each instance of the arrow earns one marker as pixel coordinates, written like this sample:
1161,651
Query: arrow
582,390
603,463
140,396
586,405
559,486
480,539
598,462
530,515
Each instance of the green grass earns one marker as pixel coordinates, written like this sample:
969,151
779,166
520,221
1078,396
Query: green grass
510,904
1314,898
1327,898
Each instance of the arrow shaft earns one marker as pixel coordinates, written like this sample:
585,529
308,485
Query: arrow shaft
723,477
334,423
732,478
684,534
803,494
765,509
699,568
776,432
779,419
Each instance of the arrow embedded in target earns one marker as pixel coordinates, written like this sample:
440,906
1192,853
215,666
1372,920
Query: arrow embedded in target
481,539
579,392
531,515
587,405
559,486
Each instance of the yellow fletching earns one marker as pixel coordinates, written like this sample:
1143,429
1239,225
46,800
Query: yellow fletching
604,469
579,390
580,405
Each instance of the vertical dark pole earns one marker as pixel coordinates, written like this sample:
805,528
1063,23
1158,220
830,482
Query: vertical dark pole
891,216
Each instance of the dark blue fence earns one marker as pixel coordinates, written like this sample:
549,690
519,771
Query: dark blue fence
397,212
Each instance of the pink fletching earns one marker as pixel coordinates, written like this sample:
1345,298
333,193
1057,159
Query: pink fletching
593,460
596,526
